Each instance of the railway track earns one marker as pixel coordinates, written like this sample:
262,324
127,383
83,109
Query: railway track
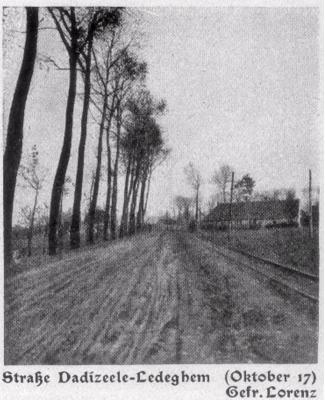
303,283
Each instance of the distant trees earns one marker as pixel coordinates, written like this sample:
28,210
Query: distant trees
194,179
128,73
61,223
33,176
183,205
273,194
222,179
101,96
97,222
211,202
106,54
244,188
262,195
14,139
142,148
178,205
291,209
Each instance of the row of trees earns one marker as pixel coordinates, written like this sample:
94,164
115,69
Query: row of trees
242,188
104,64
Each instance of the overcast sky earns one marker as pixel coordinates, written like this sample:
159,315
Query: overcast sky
241,84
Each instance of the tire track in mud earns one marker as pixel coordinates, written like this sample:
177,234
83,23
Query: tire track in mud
263,328
66,314
101,305
156,299
52,276
144,330
178,346
193,314
133,308
116,309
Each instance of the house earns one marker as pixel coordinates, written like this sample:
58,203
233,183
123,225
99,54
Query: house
304,216
252,214
166,221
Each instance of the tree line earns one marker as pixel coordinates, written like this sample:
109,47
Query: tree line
105,64
190,208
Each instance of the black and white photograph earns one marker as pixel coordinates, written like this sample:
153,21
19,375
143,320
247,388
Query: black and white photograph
162,182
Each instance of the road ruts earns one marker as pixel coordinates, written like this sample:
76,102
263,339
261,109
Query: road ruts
165,297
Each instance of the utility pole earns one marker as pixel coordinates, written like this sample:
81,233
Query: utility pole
230,205
310,206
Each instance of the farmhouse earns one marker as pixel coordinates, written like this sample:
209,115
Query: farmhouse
166,221
253,214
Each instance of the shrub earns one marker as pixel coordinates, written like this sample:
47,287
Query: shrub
192,225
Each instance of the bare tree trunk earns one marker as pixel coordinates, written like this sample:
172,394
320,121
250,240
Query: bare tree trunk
115,174
109,176
14,140
60,224
140,214
130,190
108,195
75,222
31,226
134,203
148,189
59,179
93,201
123,225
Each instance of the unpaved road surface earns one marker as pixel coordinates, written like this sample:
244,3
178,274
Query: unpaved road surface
165,297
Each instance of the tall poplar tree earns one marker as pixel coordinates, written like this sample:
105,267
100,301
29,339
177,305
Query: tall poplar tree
14,140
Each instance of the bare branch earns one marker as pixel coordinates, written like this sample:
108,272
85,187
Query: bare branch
59,28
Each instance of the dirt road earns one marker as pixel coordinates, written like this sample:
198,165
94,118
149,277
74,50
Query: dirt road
165,297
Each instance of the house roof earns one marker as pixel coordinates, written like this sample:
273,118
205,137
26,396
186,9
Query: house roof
167,220
259,210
